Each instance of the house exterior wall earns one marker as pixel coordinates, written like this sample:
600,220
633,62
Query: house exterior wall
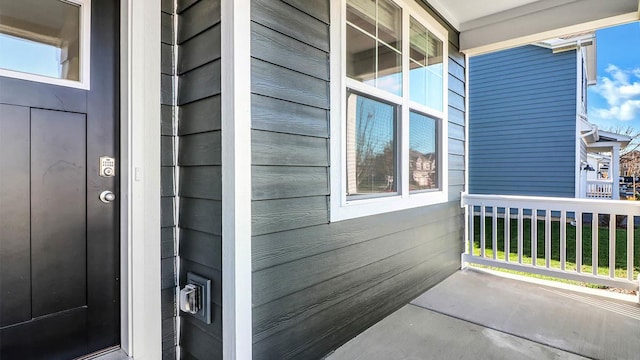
167,181
522,122
317,284
199,161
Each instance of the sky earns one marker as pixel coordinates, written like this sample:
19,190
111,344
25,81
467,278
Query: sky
614,102
35,58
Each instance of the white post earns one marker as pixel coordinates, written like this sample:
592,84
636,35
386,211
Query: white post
614,172
140,138
236,179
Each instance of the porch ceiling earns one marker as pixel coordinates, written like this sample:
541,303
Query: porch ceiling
493,25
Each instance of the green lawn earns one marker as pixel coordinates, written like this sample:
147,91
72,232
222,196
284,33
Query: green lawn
603,246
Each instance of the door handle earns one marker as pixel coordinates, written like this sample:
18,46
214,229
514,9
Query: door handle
107,196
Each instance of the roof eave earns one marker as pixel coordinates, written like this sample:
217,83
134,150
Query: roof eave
542,20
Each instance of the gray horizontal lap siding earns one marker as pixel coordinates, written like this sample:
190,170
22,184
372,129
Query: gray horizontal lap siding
317,284
522,122
167,182
200,185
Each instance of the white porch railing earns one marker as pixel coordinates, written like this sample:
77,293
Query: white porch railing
584,240
599,189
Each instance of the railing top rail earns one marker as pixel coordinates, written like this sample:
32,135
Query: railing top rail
599,181
618,207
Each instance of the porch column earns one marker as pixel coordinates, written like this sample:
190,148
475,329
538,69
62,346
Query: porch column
614,172
236,179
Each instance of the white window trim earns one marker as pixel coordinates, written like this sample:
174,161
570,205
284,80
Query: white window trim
341,207
85,55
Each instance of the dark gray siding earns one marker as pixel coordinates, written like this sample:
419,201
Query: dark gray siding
198,98
317,284
168,188
522,122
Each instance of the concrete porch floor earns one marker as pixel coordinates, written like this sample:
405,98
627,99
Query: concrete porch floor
478,315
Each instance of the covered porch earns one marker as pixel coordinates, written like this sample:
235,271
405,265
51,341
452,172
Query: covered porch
602,168
476,314
479,313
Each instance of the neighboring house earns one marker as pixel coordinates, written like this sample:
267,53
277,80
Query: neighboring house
529,132
630,163
143,141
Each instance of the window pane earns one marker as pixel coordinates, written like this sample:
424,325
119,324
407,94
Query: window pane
389,70
362,13
40,37
423,154
361,56
390,23
434,73
374,42
426,70
371,146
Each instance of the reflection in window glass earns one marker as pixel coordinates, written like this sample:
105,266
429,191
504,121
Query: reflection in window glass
363,15
390,24
389,70
374,43
361,61
40,37
426,70
423,155
371,146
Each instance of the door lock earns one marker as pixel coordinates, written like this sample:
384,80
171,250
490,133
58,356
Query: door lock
107,196
107,166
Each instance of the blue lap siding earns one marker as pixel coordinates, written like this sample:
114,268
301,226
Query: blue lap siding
522,122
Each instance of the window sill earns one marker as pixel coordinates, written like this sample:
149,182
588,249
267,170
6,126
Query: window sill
351,209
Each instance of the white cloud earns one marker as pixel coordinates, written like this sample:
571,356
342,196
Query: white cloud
625,112
621,89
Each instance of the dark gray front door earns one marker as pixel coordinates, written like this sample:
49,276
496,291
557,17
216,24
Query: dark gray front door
59,243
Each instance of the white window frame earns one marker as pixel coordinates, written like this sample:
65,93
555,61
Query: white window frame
85,54
342,207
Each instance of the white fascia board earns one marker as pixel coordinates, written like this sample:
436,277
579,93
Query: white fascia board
443,10
618,137
602,146
591,62
543,20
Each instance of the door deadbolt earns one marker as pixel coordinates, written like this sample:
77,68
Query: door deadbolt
107,166
107,196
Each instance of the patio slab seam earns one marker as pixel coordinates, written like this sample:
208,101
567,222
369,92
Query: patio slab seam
497,330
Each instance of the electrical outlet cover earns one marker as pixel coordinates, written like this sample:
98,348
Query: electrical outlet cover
204,314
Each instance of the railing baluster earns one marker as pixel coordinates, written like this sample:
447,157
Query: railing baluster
494,232
563,239
579,242
534,236
612,245
482,230
507,233
594,243
630,230
547,238
472,210
520,235
542,214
